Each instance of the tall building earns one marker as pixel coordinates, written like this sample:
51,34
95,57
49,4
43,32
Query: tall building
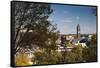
78,31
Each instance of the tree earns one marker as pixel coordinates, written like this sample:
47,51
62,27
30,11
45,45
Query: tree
74,56
31,16
32,28
46,58
94,39
90,54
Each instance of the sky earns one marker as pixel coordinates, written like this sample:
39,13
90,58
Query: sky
68,16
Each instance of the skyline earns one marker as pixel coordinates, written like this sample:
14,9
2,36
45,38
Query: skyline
68,16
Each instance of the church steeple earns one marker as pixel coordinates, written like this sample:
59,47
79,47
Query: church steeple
78,31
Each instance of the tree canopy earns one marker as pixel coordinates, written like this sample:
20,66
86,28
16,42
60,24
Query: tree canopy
32,26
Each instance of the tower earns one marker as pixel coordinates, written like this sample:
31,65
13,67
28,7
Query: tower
78,31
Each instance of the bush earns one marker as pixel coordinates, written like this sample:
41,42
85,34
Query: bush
47,58
22,60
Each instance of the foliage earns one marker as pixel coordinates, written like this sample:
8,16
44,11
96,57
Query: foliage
68,44
22,60
94,39
47,58
90,54
33,16
73,56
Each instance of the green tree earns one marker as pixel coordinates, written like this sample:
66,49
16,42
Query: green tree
32,28
73,56
94,39
46,58
31,16
90,54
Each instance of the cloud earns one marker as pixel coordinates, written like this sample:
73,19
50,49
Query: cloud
77,17
64,25
67,21
65,12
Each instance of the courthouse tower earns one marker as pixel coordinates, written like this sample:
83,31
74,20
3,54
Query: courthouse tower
78,31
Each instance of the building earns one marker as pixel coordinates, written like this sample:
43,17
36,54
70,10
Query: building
70,37
78,31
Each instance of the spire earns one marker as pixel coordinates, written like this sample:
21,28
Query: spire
78,31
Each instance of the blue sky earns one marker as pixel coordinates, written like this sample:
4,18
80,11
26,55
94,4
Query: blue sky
67,17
